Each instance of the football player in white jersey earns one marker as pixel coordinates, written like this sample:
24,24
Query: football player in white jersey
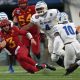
3,15
66,31
45,19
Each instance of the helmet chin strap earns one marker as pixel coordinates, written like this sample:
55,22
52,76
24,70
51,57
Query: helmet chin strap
44,14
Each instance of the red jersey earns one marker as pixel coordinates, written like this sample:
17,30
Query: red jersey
24,16
12,38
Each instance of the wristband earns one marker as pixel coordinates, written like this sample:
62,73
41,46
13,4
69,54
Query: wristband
29,35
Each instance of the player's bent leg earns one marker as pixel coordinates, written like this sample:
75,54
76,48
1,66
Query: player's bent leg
31,67
72,68
28,67
59,60
69,59
34,68
26,61
21,55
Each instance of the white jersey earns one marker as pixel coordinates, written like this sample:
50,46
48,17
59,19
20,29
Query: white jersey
47,21
66,31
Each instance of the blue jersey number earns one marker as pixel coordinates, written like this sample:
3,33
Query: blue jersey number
69,30
47,27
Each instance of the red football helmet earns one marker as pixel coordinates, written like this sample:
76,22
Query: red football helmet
22,3
4,23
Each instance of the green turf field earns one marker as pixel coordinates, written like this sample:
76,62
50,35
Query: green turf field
45,74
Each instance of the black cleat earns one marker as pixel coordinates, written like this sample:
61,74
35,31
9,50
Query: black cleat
50,67
71,69
39,66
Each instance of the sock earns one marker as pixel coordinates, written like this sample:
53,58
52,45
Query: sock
60,62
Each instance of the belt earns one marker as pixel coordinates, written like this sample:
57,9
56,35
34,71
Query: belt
68,43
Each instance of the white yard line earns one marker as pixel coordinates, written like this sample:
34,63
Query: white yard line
2,72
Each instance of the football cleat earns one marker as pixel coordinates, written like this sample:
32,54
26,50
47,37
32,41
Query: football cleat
39,66
42,66
11,70
71,69
50,67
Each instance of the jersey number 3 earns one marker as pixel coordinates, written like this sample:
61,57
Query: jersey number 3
69,30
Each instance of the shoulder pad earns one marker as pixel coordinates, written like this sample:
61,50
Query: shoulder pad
36,16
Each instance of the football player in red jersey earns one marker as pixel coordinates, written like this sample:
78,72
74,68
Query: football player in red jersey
11,42
21,16
11,58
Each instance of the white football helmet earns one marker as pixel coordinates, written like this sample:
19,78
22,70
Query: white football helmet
3,15
63,17
11,23
41,7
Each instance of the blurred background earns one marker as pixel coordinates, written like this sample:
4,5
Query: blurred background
72,7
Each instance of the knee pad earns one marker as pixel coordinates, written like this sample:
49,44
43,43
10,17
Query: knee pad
61,52
54,57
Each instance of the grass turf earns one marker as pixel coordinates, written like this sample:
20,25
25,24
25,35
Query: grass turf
44,74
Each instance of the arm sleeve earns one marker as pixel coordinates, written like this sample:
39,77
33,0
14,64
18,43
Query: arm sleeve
20,31
29,35
34,19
